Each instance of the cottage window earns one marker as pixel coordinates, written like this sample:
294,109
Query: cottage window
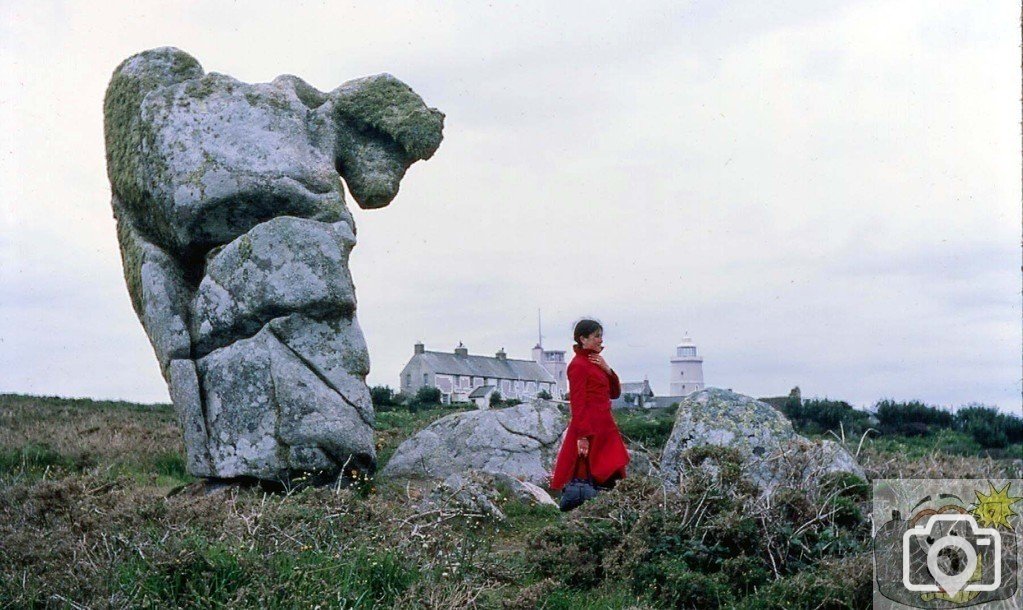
426,378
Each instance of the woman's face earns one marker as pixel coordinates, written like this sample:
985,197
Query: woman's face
594,342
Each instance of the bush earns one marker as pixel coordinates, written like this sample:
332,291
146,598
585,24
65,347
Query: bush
427,395
382,397
818,415
906,417
572,552
652,429
673,584
544,394
989,427
834,585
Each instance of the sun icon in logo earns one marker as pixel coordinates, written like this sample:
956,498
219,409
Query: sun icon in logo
993,509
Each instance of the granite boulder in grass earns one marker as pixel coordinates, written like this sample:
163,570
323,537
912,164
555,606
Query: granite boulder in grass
773,453
235,238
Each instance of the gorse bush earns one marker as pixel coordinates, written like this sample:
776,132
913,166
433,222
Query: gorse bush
818,415
709,545
989,427
427,395
382,397
93,513
902,417
985,426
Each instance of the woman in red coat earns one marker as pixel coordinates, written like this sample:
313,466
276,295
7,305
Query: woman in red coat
592,431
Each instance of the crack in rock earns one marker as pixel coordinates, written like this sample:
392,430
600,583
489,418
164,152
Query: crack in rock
322,376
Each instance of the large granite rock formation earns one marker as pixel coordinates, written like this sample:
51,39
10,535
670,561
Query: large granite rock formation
235,240
520,441
773,453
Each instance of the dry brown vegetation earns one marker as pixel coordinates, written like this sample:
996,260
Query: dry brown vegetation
96,511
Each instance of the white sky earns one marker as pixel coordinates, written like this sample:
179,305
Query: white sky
822,194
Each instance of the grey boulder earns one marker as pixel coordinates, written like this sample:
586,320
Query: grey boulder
773,453
235,238
520,441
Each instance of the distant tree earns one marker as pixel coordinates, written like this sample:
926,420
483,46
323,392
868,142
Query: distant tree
495,399
905,417
382,396
544,394
427,395
794,401
988,426
818,415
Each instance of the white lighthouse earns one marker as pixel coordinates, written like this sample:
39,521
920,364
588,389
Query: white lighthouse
686,369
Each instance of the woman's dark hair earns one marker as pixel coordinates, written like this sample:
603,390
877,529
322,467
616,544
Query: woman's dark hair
585,328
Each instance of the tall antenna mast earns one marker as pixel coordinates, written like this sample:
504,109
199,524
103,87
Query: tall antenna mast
539,330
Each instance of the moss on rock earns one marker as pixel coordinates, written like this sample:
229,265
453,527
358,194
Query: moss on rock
128,136
384,103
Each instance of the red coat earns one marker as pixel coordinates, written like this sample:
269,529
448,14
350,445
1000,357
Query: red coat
590,392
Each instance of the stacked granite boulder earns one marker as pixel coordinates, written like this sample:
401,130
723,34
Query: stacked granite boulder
235,240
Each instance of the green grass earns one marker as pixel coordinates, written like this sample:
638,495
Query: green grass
651,428
944,440
393,427
85,516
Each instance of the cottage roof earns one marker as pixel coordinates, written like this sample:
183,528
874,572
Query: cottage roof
482,391
483,366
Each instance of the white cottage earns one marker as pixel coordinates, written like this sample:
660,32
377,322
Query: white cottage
462,377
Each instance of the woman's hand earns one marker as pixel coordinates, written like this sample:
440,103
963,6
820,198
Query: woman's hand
583,445
599,361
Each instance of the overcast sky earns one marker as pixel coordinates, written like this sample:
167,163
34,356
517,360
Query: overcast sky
821,194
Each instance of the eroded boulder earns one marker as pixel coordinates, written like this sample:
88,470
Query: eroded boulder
235,240
773,453
519,441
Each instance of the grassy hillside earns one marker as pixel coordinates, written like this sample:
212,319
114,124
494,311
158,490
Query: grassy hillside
97,510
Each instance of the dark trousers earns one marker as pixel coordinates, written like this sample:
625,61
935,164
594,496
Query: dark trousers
610,483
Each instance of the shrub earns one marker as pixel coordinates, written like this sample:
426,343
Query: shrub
572,552
427,395
989,427
835,585
495,399
382,397
818,415
745,574
544,394
906,417
673,584
652,429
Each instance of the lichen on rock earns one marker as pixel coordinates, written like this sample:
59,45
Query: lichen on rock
235,240
771,452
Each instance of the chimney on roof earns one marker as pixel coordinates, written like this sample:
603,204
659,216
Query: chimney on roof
501,355
461,350
418,348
